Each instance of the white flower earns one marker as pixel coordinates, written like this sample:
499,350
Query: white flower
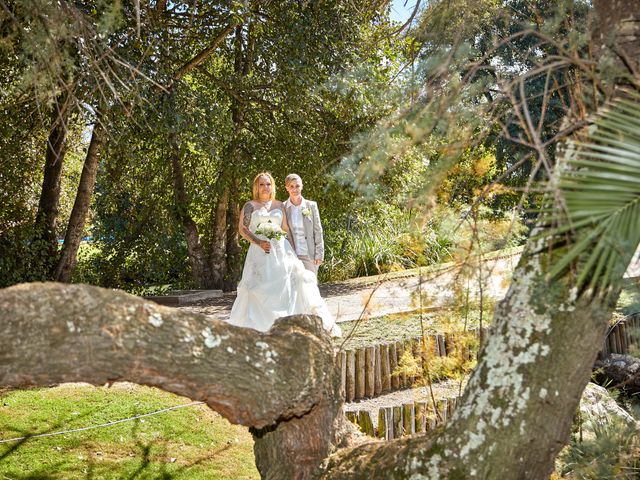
306,212
270,230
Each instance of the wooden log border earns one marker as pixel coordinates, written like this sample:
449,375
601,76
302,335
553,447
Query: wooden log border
402,420
367,372
622,336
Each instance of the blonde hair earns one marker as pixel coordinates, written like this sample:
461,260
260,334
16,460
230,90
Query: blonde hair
290,178
254,188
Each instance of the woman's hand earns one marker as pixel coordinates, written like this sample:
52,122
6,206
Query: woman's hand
265,245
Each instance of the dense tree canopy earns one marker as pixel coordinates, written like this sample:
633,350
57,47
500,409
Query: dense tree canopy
191,101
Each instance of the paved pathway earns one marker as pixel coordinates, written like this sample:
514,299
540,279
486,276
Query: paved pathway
393,293
398,292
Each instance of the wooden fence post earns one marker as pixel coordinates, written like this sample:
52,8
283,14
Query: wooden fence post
342,359
436,345
421,417
393,360
351,376
385,365
397,422
408,419
370,371
377,377
352,416
385,423
402,378
443,347
360,373
365,423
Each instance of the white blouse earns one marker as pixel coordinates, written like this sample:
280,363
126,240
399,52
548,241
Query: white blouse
297,228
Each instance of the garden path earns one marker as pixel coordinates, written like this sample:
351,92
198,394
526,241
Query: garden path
395,292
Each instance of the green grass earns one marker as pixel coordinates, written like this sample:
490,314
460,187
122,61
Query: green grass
403,326
189,443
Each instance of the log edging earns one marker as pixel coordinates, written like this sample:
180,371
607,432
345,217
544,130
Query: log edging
622,335
405,419
368,372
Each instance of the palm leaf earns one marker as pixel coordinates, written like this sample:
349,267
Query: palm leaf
600,189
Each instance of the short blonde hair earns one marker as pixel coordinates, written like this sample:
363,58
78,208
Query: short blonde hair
254,189
290,178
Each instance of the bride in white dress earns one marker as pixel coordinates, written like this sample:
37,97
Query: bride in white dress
274,281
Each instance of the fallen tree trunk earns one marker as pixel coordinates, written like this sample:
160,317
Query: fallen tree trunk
281,383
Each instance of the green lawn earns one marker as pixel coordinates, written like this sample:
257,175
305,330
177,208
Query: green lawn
188,443
403,326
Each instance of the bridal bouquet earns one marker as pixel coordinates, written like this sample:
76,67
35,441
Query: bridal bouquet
270,230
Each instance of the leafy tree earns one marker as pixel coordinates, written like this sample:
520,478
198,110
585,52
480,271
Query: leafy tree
265,101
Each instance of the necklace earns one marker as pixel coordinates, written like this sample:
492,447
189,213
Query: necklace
266,204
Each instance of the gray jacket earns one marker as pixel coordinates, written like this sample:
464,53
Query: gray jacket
312,228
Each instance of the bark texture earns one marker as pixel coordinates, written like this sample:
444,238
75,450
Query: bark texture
516,411
200,273
49,203
282,382
616,31
298,444
77,221
218,244
234,250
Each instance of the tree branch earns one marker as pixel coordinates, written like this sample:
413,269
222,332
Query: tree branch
54,333
204,54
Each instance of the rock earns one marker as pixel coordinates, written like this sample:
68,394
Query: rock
622,370
598,407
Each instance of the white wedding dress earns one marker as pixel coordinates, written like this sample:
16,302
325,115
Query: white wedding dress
276,284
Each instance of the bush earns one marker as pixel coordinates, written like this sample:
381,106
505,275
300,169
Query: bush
381,238
613,453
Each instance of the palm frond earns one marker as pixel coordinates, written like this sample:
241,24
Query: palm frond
599,190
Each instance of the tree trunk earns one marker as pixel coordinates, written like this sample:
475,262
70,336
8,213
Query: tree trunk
47,216
75,228
512,420
283,383
516,411
616,32
243,64
218,261
297,444
234,251
200,272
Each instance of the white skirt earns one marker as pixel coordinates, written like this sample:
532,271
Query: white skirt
275,285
